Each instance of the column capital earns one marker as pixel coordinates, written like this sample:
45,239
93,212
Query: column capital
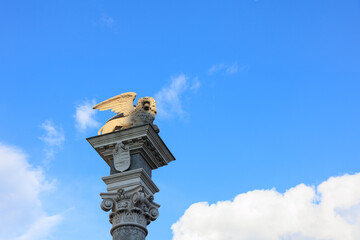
132,207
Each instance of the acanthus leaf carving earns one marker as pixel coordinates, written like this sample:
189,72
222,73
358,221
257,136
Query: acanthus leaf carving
130,208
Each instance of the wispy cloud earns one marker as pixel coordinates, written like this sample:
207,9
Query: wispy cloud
21,186
329,211
216,68
195,85
107,21
232,69
168,99
84,116
54,137
228,69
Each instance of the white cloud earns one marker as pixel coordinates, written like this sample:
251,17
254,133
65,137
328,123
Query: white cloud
195,84
21,211
225,69
168,99
329,212
84,116
54,137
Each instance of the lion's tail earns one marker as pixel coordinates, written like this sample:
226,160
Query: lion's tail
101,129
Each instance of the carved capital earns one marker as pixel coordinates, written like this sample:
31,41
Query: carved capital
130,208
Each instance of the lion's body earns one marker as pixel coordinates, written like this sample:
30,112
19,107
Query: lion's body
116,124
139,116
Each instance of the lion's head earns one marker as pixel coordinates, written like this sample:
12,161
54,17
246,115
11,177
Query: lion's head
145,112
146,105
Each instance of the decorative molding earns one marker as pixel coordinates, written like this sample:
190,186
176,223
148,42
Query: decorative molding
131,207
142,138
130,179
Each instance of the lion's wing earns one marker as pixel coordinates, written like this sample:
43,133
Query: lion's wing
122,103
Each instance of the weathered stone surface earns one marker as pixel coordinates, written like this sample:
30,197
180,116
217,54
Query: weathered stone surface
138,161
129,233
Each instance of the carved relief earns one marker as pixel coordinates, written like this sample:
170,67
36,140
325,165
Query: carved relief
121,156
130,208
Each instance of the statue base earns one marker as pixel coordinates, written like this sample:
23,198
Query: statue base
130,192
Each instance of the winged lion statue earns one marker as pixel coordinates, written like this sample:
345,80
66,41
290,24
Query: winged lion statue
128,115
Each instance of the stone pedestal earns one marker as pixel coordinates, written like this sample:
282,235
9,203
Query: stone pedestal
131,154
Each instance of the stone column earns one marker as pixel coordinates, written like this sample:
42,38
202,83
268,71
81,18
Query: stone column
131,154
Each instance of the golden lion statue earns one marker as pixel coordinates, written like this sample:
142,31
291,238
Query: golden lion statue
128,115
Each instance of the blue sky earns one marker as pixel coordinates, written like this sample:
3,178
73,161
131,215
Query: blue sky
253,96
